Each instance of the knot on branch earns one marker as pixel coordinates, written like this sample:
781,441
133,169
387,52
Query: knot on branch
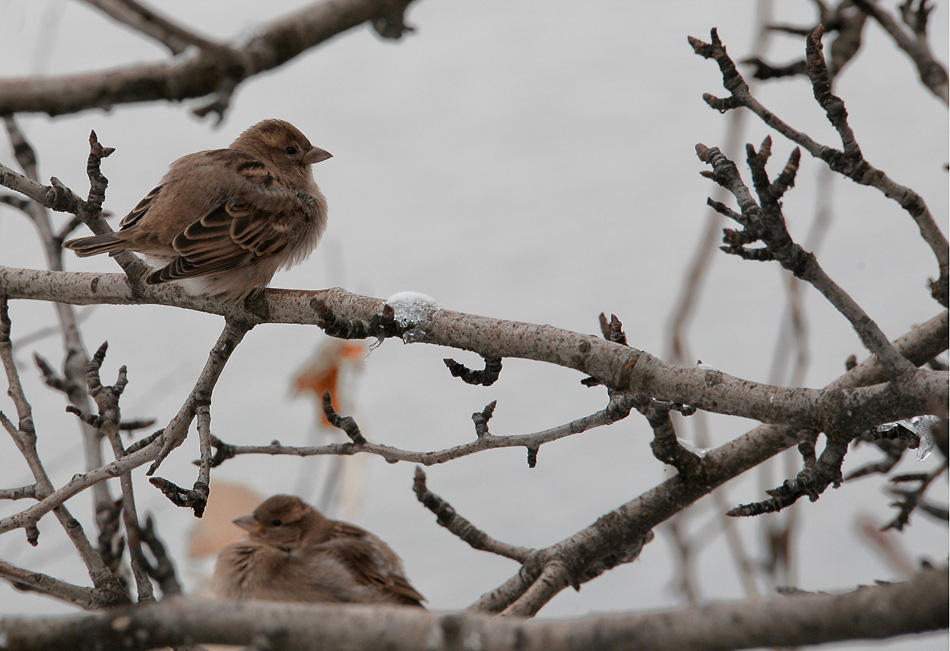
61,199
229,67
612,331
485,377
381,325
222,451
812,480
196,498
627,554
666,446
940,288
533,456
481,418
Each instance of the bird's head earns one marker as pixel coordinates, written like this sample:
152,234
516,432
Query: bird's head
281,144
286,522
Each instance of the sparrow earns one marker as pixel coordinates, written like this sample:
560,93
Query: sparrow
231,217
293,553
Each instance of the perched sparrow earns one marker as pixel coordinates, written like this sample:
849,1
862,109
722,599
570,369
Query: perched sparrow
293,553
232,217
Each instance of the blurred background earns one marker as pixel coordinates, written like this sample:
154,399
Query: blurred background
529,161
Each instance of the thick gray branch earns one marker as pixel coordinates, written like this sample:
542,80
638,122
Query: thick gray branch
914,606
208,69
619,367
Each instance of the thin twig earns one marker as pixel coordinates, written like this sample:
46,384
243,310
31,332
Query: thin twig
175,37
849,162
88,598
177,430
764,221
24,435
392,454
933,75
449,518
110,416
553,578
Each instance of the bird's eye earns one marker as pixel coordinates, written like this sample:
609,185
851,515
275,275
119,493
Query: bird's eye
276,523
291,150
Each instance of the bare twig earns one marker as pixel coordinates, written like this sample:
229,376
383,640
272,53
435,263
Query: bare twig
347,424
88,598
74,366
447,517
909,500
933,75
629,526
162,570
177,430
665,445
553,578
487,441
176,38
849,162
24,436
79,483
212,68
763,221
60,198
110,416
842,20
486,377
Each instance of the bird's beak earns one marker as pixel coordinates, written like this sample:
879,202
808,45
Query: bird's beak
315,155
248,523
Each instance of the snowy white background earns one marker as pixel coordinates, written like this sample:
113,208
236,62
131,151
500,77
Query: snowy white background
531,161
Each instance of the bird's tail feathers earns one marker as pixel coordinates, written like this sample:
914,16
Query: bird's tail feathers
95,244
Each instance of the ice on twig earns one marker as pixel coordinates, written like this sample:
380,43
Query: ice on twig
413,312
922,426
692,447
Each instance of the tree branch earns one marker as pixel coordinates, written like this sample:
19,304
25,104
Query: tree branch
176,38
913,606
932,74
212,69
850,162
88,598
621,368
764,221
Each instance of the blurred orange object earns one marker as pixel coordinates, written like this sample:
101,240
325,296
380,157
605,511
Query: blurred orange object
322,372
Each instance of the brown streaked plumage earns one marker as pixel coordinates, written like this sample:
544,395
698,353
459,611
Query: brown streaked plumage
231,217
293,553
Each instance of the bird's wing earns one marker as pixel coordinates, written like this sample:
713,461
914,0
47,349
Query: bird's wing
371,561
140,208
246,222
